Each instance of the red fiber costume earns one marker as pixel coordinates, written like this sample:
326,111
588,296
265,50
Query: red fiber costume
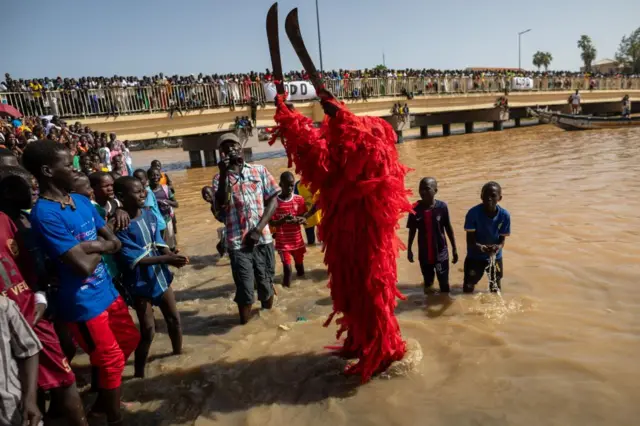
354,164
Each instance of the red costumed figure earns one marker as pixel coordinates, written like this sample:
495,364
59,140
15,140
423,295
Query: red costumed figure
354,164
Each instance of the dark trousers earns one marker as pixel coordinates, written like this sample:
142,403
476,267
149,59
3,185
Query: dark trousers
431,271
251,268
311,235
474,270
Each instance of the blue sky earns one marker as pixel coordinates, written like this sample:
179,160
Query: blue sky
143,37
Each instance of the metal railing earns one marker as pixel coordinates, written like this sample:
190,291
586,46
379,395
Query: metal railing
172,98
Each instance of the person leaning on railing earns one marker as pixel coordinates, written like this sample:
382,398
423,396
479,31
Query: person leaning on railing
115,95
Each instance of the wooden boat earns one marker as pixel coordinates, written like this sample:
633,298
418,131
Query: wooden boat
582,122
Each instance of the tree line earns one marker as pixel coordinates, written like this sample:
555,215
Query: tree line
628,54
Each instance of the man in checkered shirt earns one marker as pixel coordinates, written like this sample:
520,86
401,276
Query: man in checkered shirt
244,200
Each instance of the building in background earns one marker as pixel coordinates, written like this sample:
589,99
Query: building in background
605,66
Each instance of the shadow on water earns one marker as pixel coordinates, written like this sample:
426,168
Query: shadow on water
325,301
317,275
196,325
183,396
200,262
190,294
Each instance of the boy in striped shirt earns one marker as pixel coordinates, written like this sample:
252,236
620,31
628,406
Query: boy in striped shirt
289,215
144,261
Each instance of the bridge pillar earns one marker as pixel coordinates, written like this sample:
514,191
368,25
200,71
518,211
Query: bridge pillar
210,158
468,127
517,120
400,136
195,159
423,132
446,130
498,125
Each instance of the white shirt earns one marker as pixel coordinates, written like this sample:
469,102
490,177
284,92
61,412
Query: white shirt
105,157
575,99
127,156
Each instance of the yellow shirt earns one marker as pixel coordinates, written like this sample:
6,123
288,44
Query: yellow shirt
36,88
309,201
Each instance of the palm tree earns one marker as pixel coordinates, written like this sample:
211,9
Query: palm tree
589,51
537,59
546,60
542,59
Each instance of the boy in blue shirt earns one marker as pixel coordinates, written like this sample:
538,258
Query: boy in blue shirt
430,218
144,260
487,226
150,202
74,235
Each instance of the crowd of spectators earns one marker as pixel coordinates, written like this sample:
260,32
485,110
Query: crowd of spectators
70,97
38,85
92,150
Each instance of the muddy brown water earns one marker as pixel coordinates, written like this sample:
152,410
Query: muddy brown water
560,348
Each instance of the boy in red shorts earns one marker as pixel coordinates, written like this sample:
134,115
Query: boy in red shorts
23,280
69,227
289,215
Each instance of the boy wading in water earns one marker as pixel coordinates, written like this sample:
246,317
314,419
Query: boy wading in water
430,218
289,215
487,226
144,260
69,227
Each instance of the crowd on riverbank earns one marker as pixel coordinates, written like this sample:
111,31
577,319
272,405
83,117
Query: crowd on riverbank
91,150
72,261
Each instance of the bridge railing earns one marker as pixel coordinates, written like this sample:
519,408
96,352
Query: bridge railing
174,98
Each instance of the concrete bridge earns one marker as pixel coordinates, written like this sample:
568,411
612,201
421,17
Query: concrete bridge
199,129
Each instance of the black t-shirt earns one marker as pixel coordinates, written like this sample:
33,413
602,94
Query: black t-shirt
434,236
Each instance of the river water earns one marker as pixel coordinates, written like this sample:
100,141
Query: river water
560,348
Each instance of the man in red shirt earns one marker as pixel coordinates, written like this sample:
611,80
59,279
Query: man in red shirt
289,215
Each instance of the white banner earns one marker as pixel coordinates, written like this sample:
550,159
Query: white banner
298,90
522,83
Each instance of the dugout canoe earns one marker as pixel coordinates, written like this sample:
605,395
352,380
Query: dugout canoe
582,122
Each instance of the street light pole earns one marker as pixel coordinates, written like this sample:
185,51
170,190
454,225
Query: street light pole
519,50
319,39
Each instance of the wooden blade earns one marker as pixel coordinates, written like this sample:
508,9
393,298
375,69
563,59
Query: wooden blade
274,47
292,26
